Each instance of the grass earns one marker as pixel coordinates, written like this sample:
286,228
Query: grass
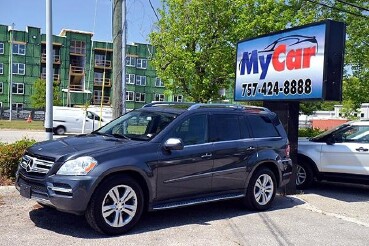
22,124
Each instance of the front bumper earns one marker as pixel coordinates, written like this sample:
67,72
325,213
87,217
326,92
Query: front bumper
66,193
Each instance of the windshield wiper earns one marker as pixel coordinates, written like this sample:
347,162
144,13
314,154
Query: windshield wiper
117,135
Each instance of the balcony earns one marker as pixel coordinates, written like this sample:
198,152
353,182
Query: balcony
77,50
75,87
105,100
76,70
103,64
99,82
55,76
56,58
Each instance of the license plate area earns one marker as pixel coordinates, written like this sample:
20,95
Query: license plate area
25,190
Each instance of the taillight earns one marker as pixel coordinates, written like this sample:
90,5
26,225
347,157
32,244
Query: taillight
288,149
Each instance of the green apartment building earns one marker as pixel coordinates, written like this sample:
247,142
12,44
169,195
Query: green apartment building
82,69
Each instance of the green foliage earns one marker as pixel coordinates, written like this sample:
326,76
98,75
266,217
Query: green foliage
10,155
38,97
309,132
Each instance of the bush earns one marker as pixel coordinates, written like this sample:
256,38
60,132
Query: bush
309,132
10,155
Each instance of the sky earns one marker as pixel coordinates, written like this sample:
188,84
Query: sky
80,15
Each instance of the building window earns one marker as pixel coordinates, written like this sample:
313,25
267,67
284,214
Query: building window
159,83
130,61
159,97
17,106
1,68
19,68
1,48
140,80
77,47
1,87
19,49
178,98
130,79
141,63
18,88
140,97
130,96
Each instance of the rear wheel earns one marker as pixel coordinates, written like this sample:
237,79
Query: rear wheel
304,174
261,190
116,206
60,130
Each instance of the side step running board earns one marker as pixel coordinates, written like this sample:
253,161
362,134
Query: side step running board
197,201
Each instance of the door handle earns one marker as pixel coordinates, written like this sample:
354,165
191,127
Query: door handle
250,148
207,155
362,149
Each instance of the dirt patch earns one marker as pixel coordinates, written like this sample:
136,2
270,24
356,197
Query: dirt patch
1,201
6,181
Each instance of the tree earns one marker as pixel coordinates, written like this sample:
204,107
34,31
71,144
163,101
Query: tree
38,97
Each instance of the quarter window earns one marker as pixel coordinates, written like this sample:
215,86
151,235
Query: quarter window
19,68
140,80
1,48
18,88
19,49
141,63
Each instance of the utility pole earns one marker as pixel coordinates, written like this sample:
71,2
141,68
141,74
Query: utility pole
49,72
10,89
119,50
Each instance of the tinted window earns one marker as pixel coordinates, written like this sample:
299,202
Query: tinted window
262,126
224,127
193,130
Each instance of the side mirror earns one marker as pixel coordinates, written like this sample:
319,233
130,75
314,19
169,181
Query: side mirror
330,140
173,144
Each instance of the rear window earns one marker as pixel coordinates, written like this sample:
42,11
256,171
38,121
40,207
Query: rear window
262,126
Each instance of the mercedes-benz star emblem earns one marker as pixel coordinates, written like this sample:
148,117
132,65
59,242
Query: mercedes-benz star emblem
29,165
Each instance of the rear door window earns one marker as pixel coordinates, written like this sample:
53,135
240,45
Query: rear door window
224,127
262,126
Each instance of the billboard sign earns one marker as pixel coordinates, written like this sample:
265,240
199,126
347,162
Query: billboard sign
295,64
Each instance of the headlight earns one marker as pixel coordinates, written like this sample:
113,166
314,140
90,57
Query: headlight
80,166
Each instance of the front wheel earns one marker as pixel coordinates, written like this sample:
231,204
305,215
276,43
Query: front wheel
261,190
116,206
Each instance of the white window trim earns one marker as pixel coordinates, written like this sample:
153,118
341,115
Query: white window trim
2,68
2,48
131,58
131,81
140,63
140,95
17,53
17,93
2,87
139,80
161,84
177,98
24,69
127,96
159,97
17,106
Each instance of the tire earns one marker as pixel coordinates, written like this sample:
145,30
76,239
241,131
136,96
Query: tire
60,130
304,174
261,190
107,213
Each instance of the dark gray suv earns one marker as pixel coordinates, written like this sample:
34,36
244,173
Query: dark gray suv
162,156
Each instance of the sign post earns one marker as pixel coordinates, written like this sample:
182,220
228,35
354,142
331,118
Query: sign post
287,67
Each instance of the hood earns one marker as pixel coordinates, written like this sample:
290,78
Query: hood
81,144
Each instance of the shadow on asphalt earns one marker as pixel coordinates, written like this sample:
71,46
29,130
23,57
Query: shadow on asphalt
340,191
76,226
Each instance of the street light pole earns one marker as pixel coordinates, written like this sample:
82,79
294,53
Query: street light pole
10,89
49,72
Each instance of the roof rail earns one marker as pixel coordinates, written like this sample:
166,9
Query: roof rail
256,108
158,104
214,105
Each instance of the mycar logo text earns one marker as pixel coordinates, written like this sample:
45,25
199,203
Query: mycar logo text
280,54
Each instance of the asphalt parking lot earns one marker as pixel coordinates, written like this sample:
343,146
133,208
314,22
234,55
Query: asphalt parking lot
328,214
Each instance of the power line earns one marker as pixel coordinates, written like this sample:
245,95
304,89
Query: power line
353,5
153,9
338,9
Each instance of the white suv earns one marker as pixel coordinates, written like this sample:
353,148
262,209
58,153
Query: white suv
340,154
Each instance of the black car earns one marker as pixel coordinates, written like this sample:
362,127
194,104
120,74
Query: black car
157,157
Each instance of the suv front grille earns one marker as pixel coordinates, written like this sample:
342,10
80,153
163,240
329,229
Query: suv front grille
35,165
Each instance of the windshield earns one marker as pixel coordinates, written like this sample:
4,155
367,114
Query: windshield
324,134
138,125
